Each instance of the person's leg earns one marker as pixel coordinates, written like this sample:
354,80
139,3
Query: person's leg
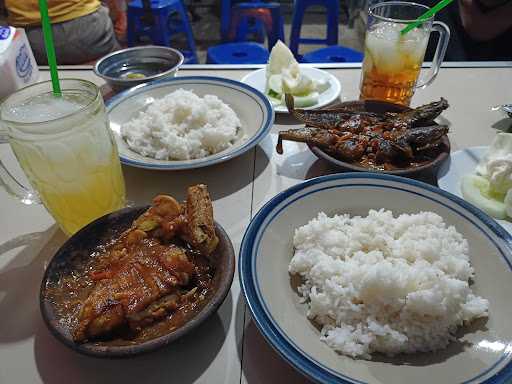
88,38
77,41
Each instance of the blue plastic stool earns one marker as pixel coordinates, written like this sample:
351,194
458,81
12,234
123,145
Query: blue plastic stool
249,52
252,26
157,24
333,54
237,53
332,11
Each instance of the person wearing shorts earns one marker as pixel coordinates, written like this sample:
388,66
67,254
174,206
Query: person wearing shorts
82,30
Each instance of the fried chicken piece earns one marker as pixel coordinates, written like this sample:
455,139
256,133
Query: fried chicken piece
149,272
142,281
200,232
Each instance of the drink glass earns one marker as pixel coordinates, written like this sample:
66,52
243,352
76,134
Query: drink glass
392,62
65,147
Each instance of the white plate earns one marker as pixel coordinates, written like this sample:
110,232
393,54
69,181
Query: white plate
481,354
461,163
252,107
257,80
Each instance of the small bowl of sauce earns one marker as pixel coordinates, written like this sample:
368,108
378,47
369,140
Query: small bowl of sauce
133,66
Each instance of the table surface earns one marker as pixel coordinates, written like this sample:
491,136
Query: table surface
228,347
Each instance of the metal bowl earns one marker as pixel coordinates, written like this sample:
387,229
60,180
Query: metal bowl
132,66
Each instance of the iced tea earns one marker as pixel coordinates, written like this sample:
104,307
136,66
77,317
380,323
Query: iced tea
392,63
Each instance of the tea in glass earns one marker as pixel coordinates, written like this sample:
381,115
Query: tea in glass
392,61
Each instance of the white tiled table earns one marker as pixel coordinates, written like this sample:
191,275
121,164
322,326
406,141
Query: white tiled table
228,348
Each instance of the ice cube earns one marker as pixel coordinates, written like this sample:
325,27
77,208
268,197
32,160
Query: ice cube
43,108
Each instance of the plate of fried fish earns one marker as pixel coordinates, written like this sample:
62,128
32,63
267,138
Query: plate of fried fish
139,278
373,136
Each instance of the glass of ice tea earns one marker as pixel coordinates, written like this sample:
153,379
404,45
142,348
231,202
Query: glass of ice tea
64,145
392,62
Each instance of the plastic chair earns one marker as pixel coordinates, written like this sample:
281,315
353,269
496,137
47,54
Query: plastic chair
153,18
332,11
249,52
234,53
333,54
252,26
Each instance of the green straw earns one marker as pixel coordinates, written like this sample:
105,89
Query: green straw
427,15
50,49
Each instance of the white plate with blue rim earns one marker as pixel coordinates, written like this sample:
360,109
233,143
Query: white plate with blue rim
462,163
251,106
481,354
257,79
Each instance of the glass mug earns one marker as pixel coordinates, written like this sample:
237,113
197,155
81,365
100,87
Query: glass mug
392,62
65,147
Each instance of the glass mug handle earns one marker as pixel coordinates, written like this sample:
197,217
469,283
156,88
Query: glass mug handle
442,44
13,186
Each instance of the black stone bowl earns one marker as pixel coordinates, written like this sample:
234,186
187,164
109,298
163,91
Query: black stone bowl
430,167
100,231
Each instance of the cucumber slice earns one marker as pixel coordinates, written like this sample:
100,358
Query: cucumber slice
306,101
475,189
275,102
300,85
275,83
322,85
508,203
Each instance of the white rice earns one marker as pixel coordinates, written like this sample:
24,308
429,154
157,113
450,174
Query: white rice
182,126
385,284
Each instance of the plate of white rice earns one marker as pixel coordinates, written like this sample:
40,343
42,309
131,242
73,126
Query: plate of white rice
188,122
366,278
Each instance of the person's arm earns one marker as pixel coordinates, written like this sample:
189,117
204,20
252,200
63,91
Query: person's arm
485,26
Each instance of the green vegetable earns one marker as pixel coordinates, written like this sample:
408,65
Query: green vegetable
275,83
476,190
273,94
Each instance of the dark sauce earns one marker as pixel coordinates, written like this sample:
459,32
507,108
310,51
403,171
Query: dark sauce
71,289
420,159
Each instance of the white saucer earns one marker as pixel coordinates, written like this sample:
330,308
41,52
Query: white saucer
257,80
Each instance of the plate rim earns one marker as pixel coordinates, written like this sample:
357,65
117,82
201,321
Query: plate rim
274,334
283,109
204,162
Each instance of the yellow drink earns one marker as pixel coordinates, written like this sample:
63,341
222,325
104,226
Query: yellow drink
71,158
96,190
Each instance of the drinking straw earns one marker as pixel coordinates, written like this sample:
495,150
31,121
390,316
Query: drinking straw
50,49
427,15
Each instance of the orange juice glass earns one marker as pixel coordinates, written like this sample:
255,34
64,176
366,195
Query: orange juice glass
392,62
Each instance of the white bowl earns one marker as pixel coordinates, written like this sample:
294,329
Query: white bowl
481,355
252,107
